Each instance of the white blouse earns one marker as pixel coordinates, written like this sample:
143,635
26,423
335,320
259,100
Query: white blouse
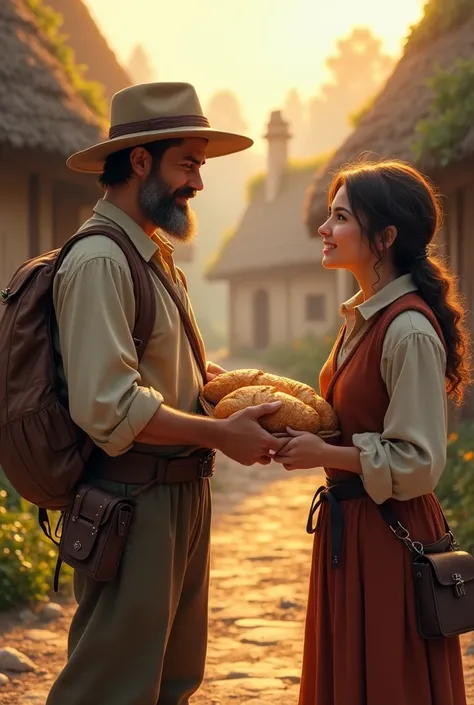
407,459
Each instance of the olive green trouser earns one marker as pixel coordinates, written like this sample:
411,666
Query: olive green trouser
141,639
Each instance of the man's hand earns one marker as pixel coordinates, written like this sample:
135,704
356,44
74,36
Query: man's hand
245,441
213,370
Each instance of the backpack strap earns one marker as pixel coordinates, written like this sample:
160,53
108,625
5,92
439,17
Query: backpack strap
145,305
190,331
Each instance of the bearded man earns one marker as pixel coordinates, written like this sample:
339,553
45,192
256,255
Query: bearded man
140,639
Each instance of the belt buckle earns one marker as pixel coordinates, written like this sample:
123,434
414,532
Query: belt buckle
206,465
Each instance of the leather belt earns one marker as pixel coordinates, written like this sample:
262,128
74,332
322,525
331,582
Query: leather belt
333,493
143,468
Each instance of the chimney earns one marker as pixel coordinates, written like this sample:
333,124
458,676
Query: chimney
277,160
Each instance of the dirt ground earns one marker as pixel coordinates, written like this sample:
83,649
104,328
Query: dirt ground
260,564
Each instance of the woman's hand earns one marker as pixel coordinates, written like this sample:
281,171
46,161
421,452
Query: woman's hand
302,451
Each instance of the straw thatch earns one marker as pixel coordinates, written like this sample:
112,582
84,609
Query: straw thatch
39,108
389,127
270,235
90,47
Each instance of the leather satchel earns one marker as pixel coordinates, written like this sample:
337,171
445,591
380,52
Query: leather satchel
443,579
444,593
94,533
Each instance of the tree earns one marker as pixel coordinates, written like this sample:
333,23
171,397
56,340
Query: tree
224,111
140,66
358,69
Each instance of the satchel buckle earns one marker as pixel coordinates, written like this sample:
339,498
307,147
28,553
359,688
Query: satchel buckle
404,535
459,589
206,465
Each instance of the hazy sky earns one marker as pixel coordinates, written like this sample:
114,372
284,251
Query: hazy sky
257,48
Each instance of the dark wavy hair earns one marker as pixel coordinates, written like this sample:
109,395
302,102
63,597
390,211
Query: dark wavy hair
393,193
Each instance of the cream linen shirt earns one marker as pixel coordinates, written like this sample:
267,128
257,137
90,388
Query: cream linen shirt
111,397
408,458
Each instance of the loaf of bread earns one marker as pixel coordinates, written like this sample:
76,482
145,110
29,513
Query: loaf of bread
225,384
292,412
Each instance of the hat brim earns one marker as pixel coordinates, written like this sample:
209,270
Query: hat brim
91,160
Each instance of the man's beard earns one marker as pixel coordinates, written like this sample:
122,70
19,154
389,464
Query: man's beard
158,204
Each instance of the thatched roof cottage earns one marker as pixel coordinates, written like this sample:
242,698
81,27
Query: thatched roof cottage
278,291
90,46
43,119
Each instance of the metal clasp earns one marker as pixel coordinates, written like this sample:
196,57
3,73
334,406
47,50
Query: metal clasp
459,589
404,535
4,294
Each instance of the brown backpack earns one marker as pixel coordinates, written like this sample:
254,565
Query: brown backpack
42,451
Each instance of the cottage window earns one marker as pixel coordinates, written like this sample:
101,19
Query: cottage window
315,307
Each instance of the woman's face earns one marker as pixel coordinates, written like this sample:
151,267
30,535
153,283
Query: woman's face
344,244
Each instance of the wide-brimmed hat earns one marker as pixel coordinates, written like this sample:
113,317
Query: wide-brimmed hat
155,111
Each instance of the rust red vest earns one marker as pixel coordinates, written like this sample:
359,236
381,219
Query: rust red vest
356,389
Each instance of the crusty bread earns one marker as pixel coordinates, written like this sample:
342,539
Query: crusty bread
292,412
327,415
225,384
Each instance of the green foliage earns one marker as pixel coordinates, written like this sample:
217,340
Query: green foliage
451,114
12,499
90,91
27,557
439,17
301,360
456,487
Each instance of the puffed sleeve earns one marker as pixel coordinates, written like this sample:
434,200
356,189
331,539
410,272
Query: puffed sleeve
407,459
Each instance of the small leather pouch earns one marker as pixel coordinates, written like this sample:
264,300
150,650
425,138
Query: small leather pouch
94,532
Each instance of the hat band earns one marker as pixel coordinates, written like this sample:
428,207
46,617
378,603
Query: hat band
164,123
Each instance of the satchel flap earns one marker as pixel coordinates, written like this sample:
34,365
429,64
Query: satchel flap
451,566
94,504
90,512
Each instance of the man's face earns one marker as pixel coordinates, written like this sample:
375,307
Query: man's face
163,196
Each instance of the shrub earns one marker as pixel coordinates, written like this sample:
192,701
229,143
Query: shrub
441,134
27,557
12,499
301,360
456,487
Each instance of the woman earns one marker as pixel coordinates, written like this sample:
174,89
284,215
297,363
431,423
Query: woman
401,351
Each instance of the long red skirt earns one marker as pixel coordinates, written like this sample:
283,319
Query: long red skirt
362,645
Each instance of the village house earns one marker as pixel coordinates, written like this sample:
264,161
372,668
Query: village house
43,119
278,290
390,128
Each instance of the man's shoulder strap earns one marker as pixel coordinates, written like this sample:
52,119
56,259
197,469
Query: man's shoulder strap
188,325
145,305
